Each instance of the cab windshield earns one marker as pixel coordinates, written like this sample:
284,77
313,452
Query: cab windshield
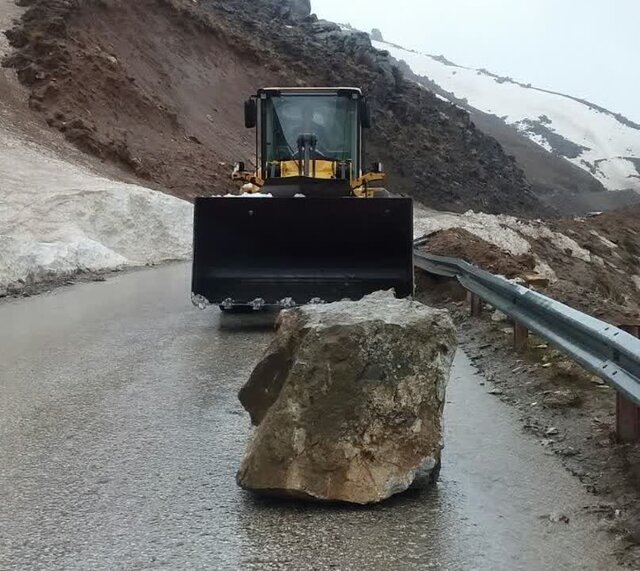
331,119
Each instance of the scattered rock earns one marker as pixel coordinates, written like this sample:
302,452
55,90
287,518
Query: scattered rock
348,401
569,370
552,431
557,517
563,398
376,35
498,317
568,452
296,10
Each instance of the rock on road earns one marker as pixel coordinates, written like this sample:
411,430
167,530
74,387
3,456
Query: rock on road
120,435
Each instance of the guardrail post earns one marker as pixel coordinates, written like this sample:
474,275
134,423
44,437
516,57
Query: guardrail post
476,304
628,412
520,336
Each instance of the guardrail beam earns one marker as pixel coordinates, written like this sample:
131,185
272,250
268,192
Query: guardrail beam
604,350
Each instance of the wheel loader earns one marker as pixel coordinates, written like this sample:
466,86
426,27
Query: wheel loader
307,226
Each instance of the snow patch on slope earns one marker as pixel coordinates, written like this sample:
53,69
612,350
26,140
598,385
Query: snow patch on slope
493,229
58,220
592,138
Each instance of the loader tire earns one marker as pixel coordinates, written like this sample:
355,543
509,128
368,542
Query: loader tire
236,309
381,193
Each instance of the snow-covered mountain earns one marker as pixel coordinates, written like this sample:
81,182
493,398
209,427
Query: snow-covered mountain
604,144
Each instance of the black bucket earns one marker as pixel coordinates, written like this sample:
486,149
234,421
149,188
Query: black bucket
301,248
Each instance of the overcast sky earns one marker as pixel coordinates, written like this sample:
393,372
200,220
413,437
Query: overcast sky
585,48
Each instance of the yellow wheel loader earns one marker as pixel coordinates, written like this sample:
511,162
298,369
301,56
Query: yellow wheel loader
307,228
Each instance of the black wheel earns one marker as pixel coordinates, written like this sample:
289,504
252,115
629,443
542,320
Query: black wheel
380,193
435,473
236,309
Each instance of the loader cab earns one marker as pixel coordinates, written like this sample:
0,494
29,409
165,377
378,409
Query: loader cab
308,140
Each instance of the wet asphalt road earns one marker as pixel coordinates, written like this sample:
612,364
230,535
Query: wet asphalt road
120,434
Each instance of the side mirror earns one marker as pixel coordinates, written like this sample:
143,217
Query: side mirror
365,114
377,168
250,113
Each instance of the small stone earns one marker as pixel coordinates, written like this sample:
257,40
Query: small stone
564,398
496,392
376,35
557,517
552,431
296,10
498,317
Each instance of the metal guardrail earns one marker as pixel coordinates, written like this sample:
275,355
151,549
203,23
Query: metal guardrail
599,347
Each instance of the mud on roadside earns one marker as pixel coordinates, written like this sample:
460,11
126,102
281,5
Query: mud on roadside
569,411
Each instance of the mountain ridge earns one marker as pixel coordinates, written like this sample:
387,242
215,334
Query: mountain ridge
180,70
600,142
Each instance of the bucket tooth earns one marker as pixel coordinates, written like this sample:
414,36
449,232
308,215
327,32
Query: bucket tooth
200,301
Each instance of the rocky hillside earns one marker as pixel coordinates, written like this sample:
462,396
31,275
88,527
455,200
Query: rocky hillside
591,264
156,87
571,150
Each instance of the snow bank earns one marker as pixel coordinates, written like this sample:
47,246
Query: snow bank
493,229
57,219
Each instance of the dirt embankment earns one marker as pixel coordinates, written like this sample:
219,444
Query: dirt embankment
459,243
156,86
592,264
132,83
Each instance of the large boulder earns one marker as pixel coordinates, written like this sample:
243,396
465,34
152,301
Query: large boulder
348,401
